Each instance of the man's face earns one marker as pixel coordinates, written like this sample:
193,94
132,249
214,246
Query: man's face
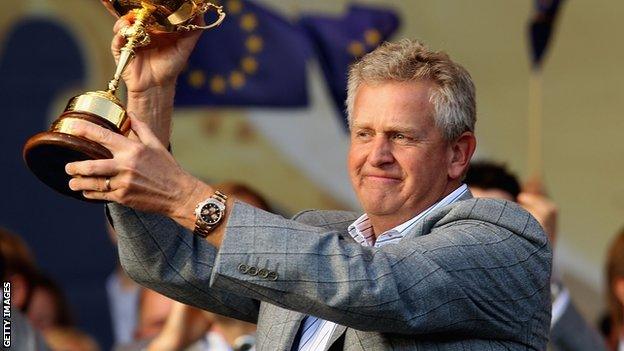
153,311
41,310
398,159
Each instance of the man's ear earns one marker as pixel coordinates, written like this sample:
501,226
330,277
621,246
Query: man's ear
460,153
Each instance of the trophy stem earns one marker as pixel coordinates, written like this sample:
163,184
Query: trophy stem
137,37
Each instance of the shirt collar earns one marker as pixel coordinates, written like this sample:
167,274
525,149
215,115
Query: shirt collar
362,231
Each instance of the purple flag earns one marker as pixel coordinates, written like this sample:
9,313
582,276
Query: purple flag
541,27
342,40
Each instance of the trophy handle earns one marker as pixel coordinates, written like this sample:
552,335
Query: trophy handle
137,36
202,9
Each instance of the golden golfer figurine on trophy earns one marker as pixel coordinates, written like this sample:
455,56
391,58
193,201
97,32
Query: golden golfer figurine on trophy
47,153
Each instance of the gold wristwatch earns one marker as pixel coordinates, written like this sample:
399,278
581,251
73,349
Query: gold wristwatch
209,213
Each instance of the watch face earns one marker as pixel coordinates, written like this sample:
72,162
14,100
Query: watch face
211,213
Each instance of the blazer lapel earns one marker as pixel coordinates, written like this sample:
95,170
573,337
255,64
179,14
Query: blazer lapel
289,332
293,319
340,329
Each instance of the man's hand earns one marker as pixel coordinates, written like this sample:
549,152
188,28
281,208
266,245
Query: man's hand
150,77
143,174
159,63
544,210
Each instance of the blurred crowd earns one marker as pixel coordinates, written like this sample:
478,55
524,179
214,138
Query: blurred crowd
142,319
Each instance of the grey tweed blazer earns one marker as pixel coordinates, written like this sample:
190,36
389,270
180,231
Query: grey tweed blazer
473,275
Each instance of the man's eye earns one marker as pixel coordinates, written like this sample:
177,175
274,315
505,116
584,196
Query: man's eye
400,137
362,134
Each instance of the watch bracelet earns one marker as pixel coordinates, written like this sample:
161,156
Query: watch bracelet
199,231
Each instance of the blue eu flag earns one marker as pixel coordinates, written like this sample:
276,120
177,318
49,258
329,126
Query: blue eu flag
340,41
255,58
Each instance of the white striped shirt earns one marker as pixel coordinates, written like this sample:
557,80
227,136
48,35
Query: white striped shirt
316,332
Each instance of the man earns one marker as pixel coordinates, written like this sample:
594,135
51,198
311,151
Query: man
419,270
568,329
492,181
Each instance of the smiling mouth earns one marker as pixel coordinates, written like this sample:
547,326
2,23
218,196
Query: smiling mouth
382,178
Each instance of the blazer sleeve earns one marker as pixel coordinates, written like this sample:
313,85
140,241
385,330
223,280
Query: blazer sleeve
165,257
482,271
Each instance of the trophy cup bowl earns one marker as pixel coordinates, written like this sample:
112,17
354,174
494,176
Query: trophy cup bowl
47,153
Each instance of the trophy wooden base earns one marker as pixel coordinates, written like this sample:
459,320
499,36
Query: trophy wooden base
47,153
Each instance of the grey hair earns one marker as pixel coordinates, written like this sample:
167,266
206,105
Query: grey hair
409,60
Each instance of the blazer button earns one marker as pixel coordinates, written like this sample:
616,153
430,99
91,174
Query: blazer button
243,268
252,271
272,276
263,273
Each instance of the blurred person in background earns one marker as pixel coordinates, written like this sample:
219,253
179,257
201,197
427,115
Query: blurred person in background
153,311
123,299
569,330
23,336
491,180
69,339
50,313
191,329
41,300
615,292
14,255
164,324
20,268
48,305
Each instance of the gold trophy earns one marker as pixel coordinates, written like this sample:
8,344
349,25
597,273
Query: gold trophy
47,153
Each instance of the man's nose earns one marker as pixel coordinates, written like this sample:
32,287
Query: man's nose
381,152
